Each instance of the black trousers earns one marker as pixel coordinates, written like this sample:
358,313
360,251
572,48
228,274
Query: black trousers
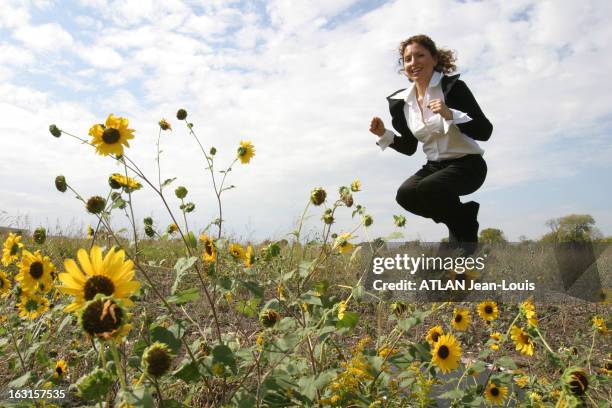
433,191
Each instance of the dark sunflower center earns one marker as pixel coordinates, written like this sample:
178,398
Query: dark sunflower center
31,305
443,352
525,338
158,362
458,318
208,249
608,366
488,309
98,317
59,370
36,270
14,249
495,391
435,337
111,135
98,284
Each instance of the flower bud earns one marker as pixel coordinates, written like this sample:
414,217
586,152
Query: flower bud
181,192
328,217
148,221
367,220
164,125
399,220
317,196
213,151
55,131
347,199
115,196
269,317
181,114
149,231
399,308
60,184
188,207
40,235
95,204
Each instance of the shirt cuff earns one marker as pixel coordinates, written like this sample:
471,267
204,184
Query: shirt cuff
458,118
386,140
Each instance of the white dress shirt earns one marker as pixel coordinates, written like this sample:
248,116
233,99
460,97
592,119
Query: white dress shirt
441,138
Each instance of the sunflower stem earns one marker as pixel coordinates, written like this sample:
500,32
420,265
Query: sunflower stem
119,367
543,340
10,329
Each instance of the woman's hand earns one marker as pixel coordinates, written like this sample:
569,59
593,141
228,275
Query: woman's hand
377,126
439,107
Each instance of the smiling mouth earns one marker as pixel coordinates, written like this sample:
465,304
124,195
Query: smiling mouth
416,71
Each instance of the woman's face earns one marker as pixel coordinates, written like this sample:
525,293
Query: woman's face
418,62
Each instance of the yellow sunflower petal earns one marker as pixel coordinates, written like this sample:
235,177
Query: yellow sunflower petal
83,258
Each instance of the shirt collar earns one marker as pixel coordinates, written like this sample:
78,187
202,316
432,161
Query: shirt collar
436,77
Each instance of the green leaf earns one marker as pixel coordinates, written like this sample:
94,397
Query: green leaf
254,288
223,354
192,240
20,381
167,182
506,362
138,397
184,296
248,307
164,335
452,394
181,267
304,268
349,320
188,371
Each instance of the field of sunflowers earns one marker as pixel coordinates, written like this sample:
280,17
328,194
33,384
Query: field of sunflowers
169,317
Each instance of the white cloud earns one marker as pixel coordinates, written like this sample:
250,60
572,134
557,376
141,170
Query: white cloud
49,37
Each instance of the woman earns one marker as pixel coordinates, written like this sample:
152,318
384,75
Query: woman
441,112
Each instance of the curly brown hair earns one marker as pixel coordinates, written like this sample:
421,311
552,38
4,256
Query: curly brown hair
446,58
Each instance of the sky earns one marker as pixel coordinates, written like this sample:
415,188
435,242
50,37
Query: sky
301,80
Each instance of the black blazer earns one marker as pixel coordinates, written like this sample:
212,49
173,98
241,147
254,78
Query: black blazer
456,96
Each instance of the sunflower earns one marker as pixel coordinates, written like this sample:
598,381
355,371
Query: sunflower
356,186
105,318
248,257
246,151
600,325
433,335
111,137
111,275
117,180
237,251
496,394
210,252
496,337
11,249
59,370
36,272
576,380
522,381
5,285
528,311
522,341
446,353
342,244
488,310
461,319
32,305
172,229
157,359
